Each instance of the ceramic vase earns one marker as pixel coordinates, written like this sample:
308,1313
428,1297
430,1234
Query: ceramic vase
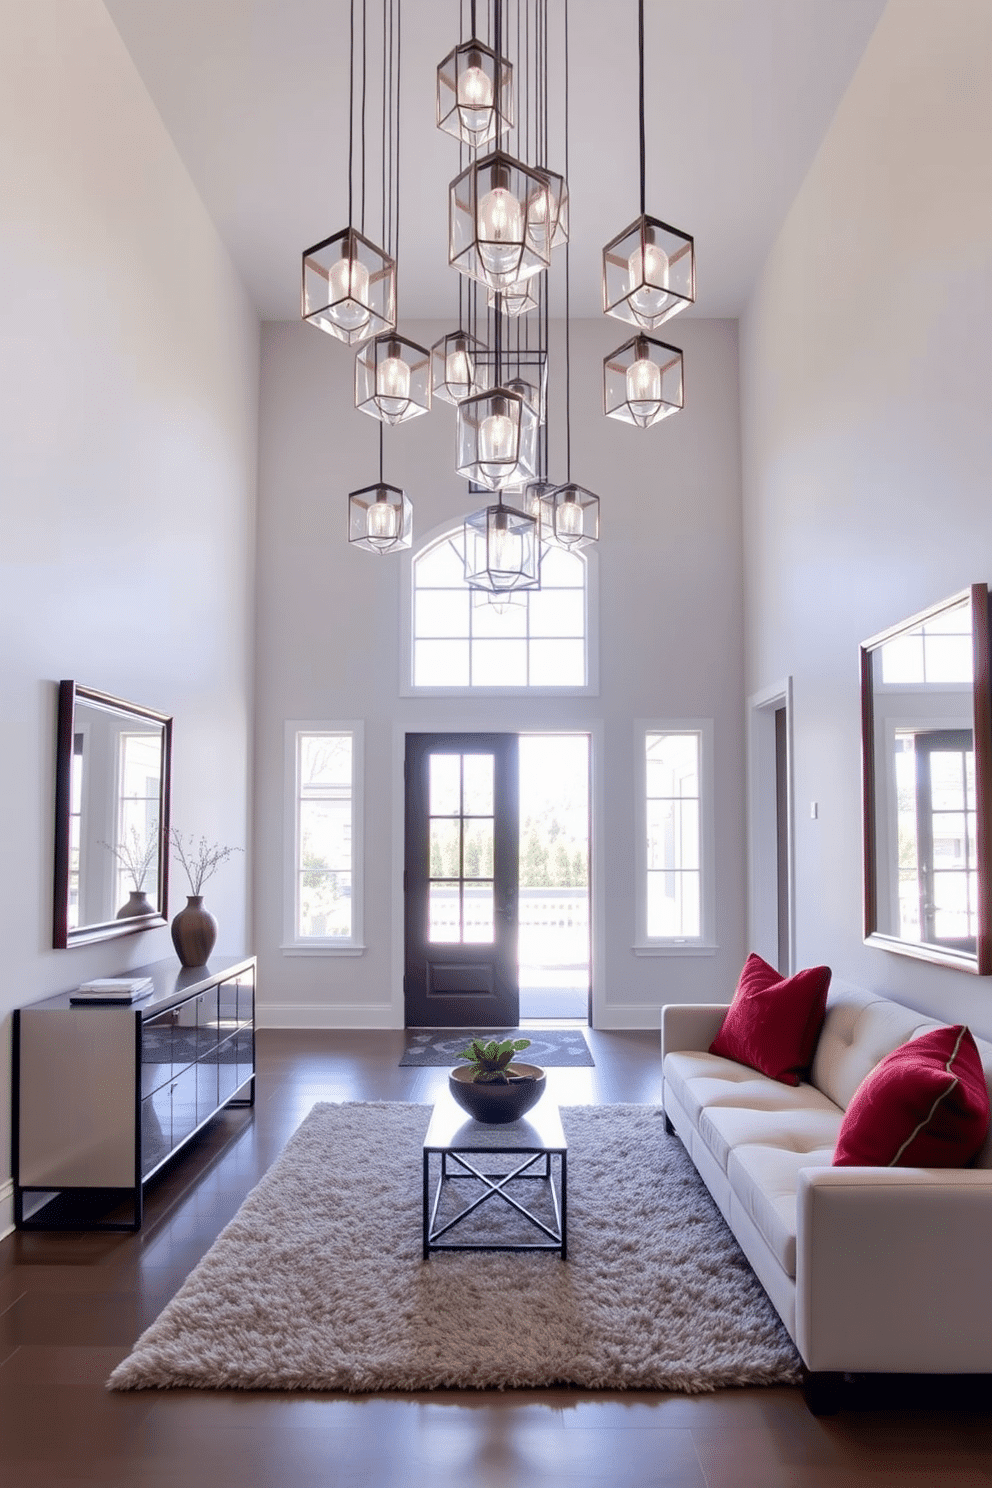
194,932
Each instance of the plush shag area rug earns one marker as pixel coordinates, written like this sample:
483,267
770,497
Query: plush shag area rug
318,1281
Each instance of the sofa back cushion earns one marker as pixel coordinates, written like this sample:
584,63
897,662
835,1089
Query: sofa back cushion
859,1029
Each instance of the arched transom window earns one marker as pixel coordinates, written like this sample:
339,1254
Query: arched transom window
536,640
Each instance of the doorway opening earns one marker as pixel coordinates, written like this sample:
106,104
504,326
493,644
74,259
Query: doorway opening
553,953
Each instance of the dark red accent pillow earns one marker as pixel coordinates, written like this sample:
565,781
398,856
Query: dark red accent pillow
925,1105
774,1022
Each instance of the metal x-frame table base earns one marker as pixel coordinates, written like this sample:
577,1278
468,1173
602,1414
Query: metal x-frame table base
495,1184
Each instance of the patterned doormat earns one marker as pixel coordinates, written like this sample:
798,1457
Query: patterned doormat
556,1047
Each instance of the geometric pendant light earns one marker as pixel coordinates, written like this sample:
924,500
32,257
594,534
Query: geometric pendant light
642,381
498,215
349,287
348,282
474,93
502,550
649,270
392,379
380,516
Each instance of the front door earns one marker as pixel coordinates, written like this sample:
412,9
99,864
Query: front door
460,881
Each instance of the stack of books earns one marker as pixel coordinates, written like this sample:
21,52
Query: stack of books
112,989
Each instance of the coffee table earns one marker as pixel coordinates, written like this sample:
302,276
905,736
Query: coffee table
463,1146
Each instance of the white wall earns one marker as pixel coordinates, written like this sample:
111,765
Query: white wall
329,627
866,371
128,431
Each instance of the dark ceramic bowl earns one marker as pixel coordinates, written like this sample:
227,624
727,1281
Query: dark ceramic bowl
496,1104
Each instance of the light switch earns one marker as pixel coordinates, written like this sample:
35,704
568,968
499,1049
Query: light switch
814,809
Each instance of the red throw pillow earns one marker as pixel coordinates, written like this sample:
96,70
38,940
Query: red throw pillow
925,1105
774,1022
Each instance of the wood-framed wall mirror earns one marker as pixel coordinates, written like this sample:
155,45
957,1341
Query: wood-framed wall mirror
926,739
112,777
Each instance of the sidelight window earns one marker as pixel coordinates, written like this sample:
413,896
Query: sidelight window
675,889
324,904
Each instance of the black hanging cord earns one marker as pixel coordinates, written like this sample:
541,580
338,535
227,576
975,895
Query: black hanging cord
351,108
385,137
640,63
473,19
381,426
364,93
399,84
568,316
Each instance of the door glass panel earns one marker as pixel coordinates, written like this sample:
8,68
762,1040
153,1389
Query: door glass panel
445,787
461,796
445,848
478,785
478,849
478,901
444,913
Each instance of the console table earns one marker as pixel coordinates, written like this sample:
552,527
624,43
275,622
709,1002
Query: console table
103,1095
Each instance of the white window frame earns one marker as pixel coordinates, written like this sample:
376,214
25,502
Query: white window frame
705,943
407,688
294,944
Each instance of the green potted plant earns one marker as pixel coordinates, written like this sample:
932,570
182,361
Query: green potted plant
492,1087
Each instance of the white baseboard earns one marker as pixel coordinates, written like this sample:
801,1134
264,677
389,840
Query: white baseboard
328,1015
627,1016
6,1208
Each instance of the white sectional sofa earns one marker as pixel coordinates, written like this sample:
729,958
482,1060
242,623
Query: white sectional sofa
871,1269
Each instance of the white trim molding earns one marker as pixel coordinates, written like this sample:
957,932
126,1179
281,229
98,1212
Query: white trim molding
6,1208
762,824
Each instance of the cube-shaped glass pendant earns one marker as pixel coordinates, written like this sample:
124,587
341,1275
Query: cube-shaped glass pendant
380,518
642,381
502,551
474,94
551,230
495,208
496,439
393,379
349,287
515,299
458,367
649,273
575,521
537,499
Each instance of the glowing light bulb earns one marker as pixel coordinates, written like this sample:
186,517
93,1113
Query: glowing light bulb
392,385
648,270
475,99
504,550
458,371
382,520
568,520
643,387
497,443
348,290
500,232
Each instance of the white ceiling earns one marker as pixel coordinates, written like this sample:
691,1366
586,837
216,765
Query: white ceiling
740,93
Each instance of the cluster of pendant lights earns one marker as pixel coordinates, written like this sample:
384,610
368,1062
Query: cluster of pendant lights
506,217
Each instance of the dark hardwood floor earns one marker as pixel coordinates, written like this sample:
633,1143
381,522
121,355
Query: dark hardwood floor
71,1305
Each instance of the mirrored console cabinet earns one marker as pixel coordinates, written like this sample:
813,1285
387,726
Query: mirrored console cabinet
105,1094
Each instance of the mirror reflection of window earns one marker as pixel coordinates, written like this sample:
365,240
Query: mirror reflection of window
937,651
140,766
928,759
75,820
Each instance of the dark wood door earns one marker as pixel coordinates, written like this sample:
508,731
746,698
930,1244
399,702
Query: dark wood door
461,871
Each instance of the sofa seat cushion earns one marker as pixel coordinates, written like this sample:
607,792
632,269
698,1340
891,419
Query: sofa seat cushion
764,1181
803,1129
701,1080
